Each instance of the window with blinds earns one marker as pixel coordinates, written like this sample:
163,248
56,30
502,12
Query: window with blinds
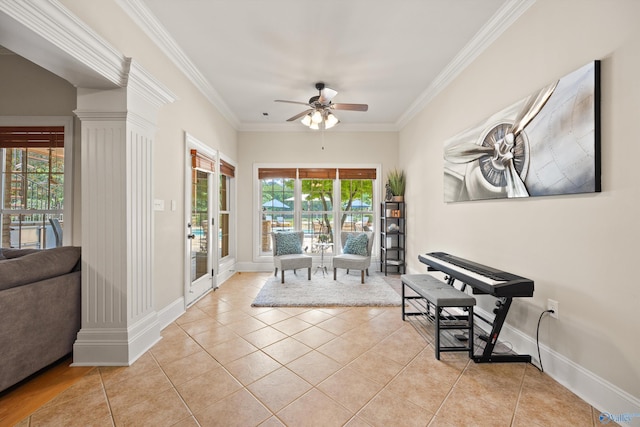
319,201
227,173
32,183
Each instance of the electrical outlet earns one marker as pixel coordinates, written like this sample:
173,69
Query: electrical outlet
553,305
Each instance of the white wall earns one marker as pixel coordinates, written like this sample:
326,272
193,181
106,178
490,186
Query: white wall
580,250
303,148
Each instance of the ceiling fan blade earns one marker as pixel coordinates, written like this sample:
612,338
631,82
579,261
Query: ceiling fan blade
350,107
297,116
292,102
326,95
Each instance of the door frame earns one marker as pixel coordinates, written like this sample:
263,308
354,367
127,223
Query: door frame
193,143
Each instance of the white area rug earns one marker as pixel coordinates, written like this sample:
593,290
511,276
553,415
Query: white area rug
346,291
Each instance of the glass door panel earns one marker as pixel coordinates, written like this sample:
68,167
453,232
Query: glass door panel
199,235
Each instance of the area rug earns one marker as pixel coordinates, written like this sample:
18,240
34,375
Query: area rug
346,291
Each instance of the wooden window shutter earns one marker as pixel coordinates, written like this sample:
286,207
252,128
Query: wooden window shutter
32,137
357,173
317,173
202,162
266,173
227,169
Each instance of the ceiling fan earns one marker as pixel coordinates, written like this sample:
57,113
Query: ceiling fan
319,115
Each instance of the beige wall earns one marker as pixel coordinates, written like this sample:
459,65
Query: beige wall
580,250
29,90
191,113
303,148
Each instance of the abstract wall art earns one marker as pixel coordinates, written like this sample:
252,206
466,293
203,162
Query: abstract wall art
546,144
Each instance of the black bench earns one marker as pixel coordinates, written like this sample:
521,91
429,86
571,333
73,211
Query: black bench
431,292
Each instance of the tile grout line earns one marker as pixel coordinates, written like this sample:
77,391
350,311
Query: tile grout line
449,392
515,408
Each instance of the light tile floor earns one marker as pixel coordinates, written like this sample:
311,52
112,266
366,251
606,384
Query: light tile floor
225,363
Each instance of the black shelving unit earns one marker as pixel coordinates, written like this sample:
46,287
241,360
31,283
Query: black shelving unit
393,231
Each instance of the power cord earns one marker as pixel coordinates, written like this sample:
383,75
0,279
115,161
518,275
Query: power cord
538,338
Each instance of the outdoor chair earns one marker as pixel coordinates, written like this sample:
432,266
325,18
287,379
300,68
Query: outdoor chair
356,254
288,253
57,231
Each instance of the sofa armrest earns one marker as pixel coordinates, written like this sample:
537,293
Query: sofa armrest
38,266
40,322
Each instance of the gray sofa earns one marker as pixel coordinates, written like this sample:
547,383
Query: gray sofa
39,309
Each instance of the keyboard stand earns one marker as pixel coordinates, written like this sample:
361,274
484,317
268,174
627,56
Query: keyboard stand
487,355
484,280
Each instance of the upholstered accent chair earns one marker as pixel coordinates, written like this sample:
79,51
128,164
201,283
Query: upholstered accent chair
288,253
356,253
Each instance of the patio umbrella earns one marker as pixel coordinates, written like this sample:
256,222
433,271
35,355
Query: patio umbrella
292,198
275,204
359,204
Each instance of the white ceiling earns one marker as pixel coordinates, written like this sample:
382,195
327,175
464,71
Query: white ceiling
393,56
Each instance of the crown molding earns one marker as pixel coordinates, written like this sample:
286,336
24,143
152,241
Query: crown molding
297,127
57,26
143,17
499,22
148,86
5,51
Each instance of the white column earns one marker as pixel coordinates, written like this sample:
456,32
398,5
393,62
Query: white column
119,322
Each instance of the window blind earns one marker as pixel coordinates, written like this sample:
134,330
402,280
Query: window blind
32,137
345,173
317,173
266,173
227,169
202,162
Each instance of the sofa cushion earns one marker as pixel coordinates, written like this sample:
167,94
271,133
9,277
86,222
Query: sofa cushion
356,244
9,253
288,243
38,265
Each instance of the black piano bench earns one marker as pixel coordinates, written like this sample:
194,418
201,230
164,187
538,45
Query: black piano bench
432,303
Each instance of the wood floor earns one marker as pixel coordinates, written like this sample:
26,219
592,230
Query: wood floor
22,400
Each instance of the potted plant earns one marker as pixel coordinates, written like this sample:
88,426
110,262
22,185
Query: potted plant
397,182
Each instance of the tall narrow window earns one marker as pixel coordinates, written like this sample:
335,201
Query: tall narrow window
356,196
317,206
32,185
278,203
227,173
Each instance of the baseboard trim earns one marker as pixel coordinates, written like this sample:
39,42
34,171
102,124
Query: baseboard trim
171,312
251,267
116,346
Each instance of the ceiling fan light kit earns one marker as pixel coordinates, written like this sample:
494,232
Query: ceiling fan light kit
316,117
319,115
